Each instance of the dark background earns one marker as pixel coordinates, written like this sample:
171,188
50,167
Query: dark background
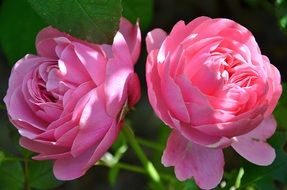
258,16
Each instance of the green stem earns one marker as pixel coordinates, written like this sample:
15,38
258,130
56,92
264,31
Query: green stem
238,178
136,169
124,166
26,175
149,144
131,168
148,166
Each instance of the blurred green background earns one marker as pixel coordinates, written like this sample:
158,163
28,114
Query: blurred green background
266,19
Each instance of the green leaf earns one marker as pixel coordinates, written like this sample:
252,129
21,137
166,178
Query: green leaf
279,2
190,185
19,26
139,9
283,21
41,175
91,20
2,157
11,176
281,13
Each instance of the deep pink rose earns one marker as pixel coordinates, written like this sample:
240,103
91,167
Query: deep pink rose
66,101
209,82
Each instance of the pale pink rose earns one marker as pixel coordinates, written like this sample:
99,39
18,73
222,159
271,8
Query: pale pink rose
66,101
208,81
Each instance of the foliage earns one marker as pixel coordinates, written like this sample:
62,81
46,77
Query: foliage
18,29
281,11
11,175
97,21
92,20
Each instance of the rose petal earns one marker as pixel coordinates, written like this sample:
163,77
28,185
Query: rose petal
75,167
72,167
116,82
42,147
71,97
171,91
105,143
93,61
48,38
121,50
205,165
132,35
179,32
134,89
197,136
94,122
19,110
253,146
154,39
19,71
274,81
154,92
71,68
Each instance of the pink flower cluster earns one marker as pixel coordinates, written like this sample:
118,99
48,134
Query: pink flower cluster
207,80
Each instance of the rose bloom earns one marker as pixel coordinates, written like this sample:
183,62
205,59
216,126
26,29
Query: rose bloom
66,101
209,82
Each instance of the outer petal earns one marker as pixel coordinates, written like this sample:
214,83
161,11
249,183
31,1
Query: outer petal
43,147
239,126
132,35
105,144
154,39
274,81
253,146
72,167
197,136
134,89
115,86
117,72
48,38
19,110
192,160
121,50
180,32
75,167
154,92
45,44
172,96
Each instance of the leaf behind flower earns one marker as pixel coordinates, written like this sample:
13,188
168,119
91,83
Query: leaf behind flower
91,20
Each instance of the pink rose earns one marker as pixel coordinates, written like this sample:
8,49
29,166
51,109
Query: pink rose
208,81
66,101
